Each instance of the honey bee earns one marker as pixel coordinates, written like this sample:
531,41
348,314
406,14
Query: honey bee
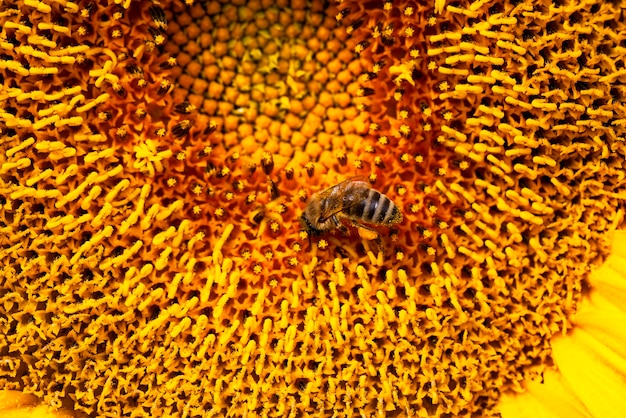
354,200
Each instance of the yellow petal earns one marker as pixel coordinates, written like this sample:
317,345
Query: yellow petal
594,372
591,360
610,279
605,321
10,399
16,404
551,399
619,244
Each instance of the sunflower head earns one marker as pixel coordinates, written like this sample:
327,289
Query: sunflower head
159,163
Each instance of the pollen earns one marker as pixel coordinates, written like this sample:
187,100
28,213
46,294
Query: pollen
165,84
196,189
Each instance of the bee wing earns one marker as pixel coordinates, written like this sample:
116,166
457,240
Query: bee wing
340,200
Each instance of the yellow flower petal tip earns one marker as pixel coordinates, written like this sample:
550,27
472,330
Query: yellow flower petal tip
610,280
550,398
15,404
590,376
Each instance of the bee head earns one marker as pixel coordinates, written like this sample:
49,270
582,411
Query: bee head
308,227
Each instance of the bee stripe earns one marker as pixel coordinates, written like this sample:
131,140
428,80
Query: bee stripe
391,212
371,204
356,211
381,212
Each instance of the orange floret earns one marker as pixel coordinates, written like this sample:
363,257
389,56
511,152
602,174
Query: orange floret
156,159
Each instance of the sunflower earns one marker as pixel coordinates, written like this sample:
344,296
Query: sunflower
157,157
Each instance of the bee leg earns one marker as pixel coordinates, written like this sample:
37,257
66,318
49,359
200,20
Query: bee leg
370,234
341,227
365,232
380,245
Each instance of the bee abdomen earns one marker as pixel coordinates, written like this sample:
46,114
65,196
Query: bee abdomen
376,206
369,206
380,210
356,211
393,215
